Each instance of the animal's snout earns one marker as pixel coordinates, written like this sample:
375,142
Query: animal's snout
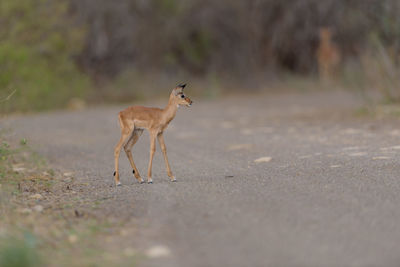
189,101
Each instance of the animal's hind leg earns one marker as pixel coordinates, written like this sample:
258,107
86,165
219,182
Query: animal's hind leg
128,150
124,135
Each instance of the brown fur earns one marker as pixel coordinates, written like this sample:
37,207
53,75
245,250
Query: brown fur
328,55
136,118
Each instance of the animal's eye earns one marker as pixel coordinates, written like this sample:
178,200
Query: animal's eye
182,96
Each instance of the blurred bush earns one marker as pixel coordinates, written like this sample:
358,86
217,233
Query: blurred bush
48,48
38,42
379,72
227,36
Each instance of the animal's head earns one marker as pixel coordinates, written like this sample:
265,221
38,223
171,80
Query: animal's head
179,96
325,33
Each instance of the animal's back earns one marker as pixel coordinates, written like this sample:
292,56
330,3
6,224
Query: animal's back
141,116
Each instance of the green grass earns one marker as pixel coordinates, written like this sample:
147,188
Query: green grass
20,252
23,156
5,153
36,56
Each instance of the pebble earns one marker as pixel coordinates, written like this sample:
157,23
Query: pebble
38,208
18,168
25,210
380,157
263,159
72,239
68,174
36,196
158,251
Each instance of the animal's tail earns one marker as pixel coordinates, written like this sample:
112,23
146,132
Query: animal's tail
121,123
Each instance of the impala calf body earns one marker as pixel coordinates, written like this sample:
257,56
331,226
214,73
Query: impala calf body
133,120
328,55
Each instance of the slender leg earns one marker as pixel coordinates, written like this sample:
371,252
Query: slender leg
128,150
164,151
124,135
152,150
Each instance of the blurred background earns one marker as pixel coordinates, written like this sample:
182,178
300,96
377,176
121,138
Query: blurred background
72,53
305,177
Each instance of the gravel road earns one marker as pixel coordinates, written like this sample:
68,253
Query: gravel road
266,180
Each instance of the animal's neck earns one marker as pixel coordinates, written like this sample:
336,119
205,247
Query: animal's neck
326,41
170,110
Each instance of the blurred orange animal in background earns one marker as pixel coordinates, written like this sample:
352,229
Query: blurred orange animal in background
328,55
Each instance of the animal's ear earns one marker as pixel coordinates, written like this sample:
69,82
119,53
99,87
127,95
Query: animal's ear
179,88
182,85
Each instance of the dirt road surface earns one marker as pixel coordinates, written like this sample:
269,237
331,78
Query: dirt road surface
267,180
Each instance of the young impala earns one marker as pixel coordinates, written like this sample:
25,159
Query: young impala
136,118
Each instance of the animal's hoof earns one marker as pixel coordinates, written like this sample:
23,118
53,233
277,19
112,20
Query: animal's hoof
150,182
119,184
173,179
141,182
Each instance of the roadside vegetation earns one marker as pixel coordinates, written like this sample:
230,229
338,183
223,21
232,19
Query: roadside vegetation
38,42
43,221
70,53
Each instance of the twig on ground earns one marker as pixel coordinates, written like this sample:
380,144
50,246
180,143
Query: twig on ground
8,97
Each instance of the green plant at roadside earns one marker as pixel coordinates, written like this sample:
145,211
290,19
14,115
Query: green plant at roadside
19,252
5,152
37,46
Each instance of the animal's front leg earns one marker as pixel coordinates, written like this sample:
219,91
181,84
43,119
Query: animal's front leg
152,151
164,151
